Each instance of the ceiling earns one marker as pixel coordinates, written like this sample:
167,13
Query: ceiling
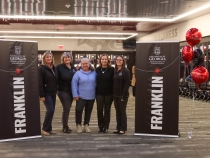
94,16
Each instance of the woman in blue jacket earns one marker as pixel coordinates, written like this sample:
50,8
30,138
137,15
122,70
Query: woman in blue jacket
83,90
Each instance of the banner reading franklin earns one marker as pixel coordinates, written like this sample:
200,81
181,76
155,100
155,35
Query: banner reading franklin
19,94
157,83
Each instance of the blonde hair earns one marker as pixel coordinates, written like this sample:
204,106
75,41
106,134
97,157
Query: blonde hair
44,56
109,62
66,54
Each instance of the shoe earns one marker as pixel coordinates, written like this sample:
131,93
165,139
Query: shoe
86,128
52,132
116,132
79,129
121,132
66,129
100,130
45,133
105,130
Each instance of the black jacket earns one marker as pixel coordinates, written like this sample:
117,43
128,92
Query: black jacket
47,81
65,76
121,83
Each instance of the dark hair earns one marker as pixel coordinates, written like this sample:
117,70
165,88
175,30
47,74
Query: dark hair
109,62
123,65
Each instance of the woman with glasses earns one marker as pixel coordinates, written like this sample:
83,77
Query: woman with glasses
47,90
66,71
83,90
104,89
121,83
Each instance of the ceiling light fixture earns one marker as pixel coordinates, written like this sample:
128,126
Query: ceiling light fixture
191,12
63,37
66,32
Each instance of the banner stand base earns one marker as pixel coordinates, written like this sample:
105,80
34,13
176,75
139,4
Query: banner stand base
21,138
157,135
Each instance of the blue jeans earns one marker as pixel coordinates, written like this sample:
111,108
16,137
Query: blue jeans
50,107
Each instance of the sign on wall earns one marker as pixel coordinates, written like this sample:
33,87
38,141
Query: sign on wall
19,100
157,82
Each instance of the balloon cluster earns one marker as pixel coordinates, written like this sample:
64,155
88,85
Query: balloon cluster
189,53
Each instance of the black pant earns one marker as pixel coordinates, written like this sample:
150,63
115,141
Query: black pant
66,101
103,110
50,106
80,104
121,116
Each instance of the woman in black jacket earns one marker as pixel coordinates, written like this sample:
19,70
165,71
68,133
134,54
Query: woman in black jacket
121,83
66,71
47,90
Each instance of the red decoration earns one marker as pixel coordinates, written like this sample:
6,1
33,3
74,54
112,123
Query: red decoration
193,36
187,54
18,71
157,70
200,74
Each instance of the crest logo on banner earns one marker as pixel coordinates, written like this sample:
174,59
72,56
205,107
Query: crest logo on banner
17,58
157,50
156,57
17,50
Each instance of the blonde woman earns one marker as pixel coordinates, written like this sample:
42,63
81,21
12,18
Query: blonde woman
47,90
66,71
104,88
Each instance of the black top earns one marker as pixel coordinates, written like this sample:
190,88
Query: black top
47,81
104,81
65,76
121,83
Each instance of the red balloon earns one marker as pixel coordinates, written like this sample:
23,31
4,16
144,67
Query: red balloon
200,74
187,54
193,36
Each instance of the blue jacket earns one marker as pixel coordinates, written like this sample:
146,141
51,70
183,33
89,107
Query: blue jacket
83,84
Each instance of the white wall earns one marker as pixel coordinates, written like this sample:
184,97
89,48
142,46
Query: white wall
78,45
178,31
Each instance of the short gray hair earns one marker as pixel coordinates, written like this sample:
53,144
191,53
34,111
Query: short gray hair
91,68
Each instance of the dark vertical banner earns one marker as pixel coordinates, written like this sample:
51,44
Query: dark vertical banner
19,94
157,89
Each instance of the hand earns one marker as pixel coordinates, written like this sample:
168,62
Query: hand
122,100
42,99
76,98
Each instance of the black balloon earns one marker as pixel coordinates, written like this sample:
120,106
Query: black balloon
198,57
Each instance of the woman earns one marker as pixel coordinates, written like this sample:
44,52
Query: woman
47,90
83,90
104,89
121,83
66,72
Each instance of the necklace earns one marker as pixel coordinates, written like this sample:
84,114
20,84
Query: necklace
104,70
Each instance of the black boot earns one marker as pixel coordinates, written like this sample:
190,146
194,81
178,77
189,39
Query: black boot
66,129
